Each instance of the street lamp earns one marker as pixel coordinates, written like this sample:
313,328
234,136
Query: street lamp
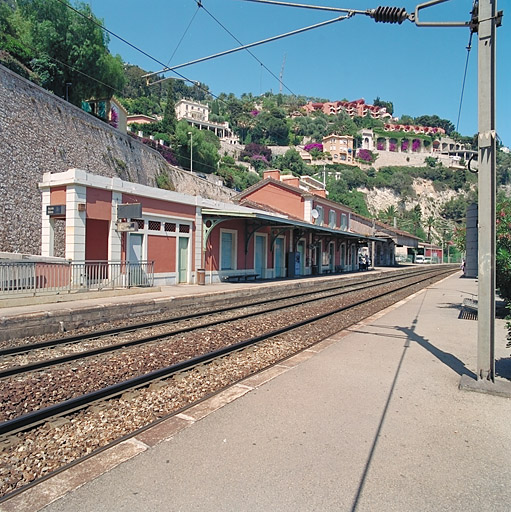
68,85
191,151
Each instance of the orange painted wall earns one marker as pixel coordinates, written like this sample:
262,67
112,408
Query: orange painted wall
99,204
274,195
58,195
162,250
150,205
326,213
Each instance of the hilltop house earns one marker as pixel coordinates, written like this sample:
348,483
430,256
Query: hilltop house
197,114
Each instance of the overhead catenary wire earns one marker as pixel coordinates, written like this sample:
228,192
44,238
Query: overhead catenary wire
201,5
93,21
185,32
382,14
251,45
469,47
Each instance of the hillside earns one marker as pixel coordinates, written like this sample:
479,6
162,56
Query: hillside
409,187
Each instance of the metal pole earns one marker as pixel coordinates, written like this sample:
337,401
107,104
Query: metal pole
191,151
487,190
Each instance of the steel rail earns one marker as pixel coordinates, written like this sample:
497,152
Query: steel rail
17,370
32,419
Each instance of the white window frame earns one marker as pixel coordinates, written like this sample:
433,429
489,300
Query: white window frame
344,225
332,219
321,215
163,219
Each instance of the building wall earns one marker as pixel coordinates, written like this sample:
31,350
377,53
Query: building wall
339,147
162,250
99,204
157,206
243,261
192,109
274,195
58,195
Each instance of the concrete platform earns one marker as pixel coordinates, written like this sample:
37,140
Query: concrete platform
51,314
373,419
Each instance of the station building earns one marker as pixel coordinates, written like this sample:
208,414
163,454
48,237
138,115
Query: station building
280,227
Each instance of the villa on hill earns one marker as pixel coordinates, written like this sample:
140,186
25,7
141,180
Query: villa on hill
197,114
357,108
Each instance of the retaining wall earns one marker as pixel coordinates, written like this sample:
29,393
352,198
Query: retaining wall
40,133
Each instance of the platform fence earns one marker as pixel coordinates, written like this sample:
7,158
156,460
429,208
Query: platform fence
32,278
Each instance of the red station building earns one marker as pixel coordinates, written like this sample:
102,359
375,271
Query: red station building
281,227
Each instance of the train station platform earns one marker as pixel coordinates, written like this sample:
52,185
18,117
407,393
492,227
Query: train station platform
370,419
51,313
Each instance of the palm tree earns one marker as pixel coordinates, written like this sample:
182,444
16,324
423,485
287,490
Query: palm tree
388,215
430,223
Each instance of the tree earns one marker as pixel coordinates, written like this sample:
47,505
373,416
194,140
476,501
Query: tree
291,161
69,49
503,168
454,209
254,149
339,192
342,124
435,121
387,104
236,176
169,121
503,253
388,215
430,223
205,154
15,41
197,92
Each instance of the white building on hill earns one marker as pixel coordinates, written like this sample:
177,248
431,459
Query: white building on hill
197,114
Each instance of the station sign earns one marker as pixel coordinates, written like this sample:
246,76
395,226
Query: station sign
56,209
126,226
129,211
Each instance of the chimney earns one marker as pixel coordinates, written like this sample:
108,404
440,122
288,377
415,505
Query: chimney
288,179
272,173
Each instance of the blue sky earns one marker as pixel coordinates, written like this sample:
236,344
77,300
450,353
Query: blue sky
419,69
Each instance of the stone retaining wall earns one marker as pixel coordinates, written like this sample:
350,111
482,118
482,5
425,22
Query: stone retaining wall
40,133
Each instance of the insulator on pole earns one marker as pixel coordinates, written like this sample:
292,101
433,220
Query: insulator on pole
384,14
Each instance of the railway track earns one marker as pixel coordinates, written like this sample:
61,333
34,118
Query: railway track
23,358
273,343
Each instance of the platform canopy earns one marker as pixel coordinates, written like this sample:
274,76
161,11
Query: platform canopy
212,217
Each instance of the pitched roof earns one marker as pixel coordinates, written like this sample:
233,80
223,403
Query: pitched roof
253,204
303,193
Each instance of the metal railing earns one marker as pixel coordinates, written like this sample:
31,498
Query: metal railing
31,278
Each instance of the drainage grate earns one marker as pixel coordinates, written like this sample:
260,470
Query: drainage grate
468,310
467,314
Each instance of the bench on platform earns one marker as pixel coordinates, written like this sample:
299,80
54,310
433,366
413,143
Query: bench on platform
239,277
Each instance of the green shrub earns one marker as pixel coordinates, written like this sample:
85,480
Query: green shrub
503,254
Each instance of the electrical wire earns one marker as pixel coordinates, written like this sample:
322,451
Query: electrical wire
469,46
114,89
184,33
93,21
251,45
199,3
